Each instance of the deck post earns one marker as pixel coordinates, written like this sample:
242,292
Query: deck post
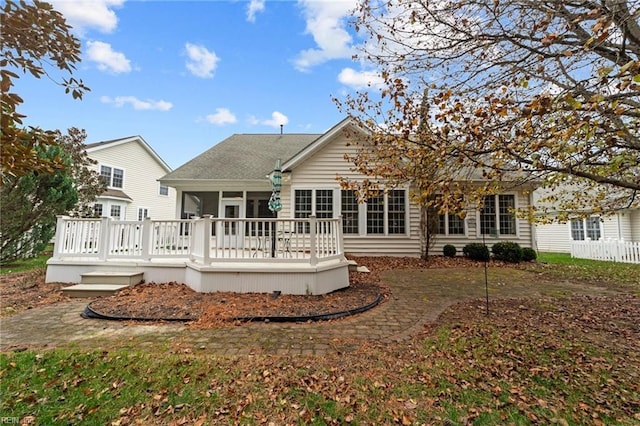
58,242
206,255
103,251
313,228
340,236
147,225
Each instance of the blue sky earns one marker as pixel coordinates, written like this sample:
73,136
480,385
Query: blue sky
187,74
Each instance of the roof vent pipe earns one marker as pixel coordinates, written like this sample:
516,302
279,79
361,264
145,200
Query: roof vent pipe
281,128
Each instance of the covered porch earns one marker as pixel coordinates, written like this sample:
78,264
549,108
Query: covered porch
290,256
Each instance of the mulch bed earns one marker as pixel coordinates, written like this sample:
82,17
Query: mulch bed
173,301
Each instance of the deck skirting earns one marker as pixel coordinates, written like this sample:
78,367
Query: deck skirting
300,279
240,277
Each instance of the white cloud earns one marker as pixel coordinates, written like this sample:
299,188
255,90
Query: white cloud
326,22
360,79
253,8
202,62
87,14
107,58
277,119
137,104
221,117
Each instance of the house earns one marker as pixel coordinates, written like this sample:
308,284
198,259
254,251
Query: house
226,237
130,169
230,180
558,236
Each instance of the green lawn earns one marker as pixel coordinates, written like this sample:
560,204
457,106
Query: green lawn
39,262
564,266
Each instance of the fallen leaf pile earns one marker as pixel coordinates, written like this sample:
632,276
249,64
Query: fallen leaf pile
21,291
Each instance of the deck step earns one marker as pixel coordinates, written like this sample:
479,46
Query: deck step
105,277
92,290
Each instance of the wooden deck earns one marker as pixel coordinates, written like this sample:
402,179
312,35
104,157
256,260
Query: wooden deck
293,256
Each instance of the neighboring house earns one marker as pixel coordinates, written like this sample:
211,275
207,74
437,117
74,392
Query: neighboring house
231,180
131,169
557,237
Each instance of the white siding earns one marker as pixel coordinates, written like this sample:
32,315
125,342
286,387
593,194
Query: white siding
321,171
613,227
554,237
625,226
634,220
141,172
472,226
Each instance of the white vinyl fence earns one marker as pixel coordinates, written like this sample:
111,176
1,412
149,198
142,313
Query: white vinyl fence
608,250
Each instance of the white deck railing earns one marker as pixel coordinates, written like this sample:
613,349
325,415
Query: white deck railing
608,250
203,240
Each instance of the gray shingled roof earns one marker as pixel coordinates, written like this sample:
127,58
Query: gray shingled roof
243,157
110,141
116,193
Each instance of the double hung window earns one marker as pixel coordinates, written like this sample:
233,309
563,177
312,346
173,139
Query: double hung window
375,215
450,224
143,213
112,176
496,216
115,212
350,212
588,228
385,214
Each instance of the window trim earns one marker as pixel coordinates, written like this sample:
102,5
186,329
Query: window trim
335,202
446,233
119,207
144,217
405,205
357,212
362,210
363,217
497,218
160,186
583,221
113,168
95,208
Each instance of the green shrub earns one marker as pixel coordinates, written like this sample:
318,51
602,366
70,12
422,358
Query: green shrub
449,250
507,251
476,251
529,254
